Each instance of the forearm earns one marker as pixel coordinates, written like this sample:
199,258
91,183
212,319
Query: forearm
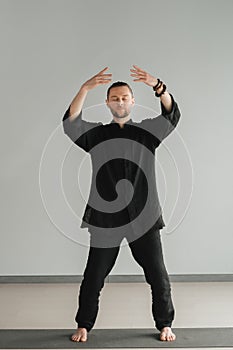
165,98
77,103
166,101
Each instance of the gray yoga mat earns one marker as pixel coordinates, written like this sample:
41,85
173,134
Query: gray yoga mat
114,338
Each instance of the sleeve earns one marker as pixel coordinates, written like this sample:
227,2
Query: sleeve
162,125
79,130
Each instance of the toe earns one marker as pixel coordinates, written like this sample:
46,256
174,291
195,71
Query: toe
162,336
172,337
75,337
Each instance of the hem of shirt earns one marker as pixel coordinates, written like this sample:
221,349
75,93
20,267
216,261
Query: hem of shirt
159,224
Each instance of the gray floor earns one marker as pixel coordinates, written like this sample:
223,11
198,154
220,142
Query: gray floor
122,305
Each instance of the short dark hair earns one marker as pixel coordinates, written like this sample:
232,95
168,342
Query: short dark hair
119,83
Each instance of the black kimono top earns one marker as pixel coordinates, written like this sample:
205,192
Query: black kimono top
123,194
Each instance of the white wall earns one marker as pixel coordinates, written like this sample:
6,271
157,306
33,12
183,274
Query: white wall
48,49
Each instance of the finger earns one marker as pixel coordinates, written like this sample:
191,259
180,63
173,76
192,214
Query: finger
102,78
138,68
104,81
103,70
138,72
105,75
135,71
137,75
138,79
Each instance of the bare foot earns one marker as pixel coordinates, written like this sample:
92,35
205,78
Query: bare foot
80,335
167,334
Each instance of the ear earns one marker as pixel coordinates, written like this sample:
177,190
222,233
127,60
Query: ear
106,101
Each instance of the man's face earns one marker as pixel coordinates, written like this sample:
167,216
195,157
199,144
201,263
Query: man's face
120,101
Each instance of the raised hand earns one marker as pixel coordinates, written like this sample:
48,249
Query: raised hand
148,79
98,79
143,76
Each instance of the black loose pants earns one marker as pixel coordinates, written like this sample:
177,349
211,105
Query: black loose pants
147,251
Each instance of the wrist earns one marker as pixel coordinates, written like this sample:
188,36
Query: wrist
155,84
84,89
159,88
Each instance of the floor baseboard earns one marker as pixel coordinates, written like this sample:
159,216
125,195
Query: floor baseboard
114,278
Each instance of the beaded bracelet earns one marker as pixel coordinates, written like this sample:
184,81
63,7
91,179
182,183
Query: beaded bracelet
157,85
160,84
162,92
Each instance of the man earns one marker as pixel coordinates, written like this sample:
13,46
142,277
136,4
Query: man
140,217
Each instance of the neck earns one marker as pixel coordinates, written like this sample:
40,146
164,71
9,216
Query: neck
121,121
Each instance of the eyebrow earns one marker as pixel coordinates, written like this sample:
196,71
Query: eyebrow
122,95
